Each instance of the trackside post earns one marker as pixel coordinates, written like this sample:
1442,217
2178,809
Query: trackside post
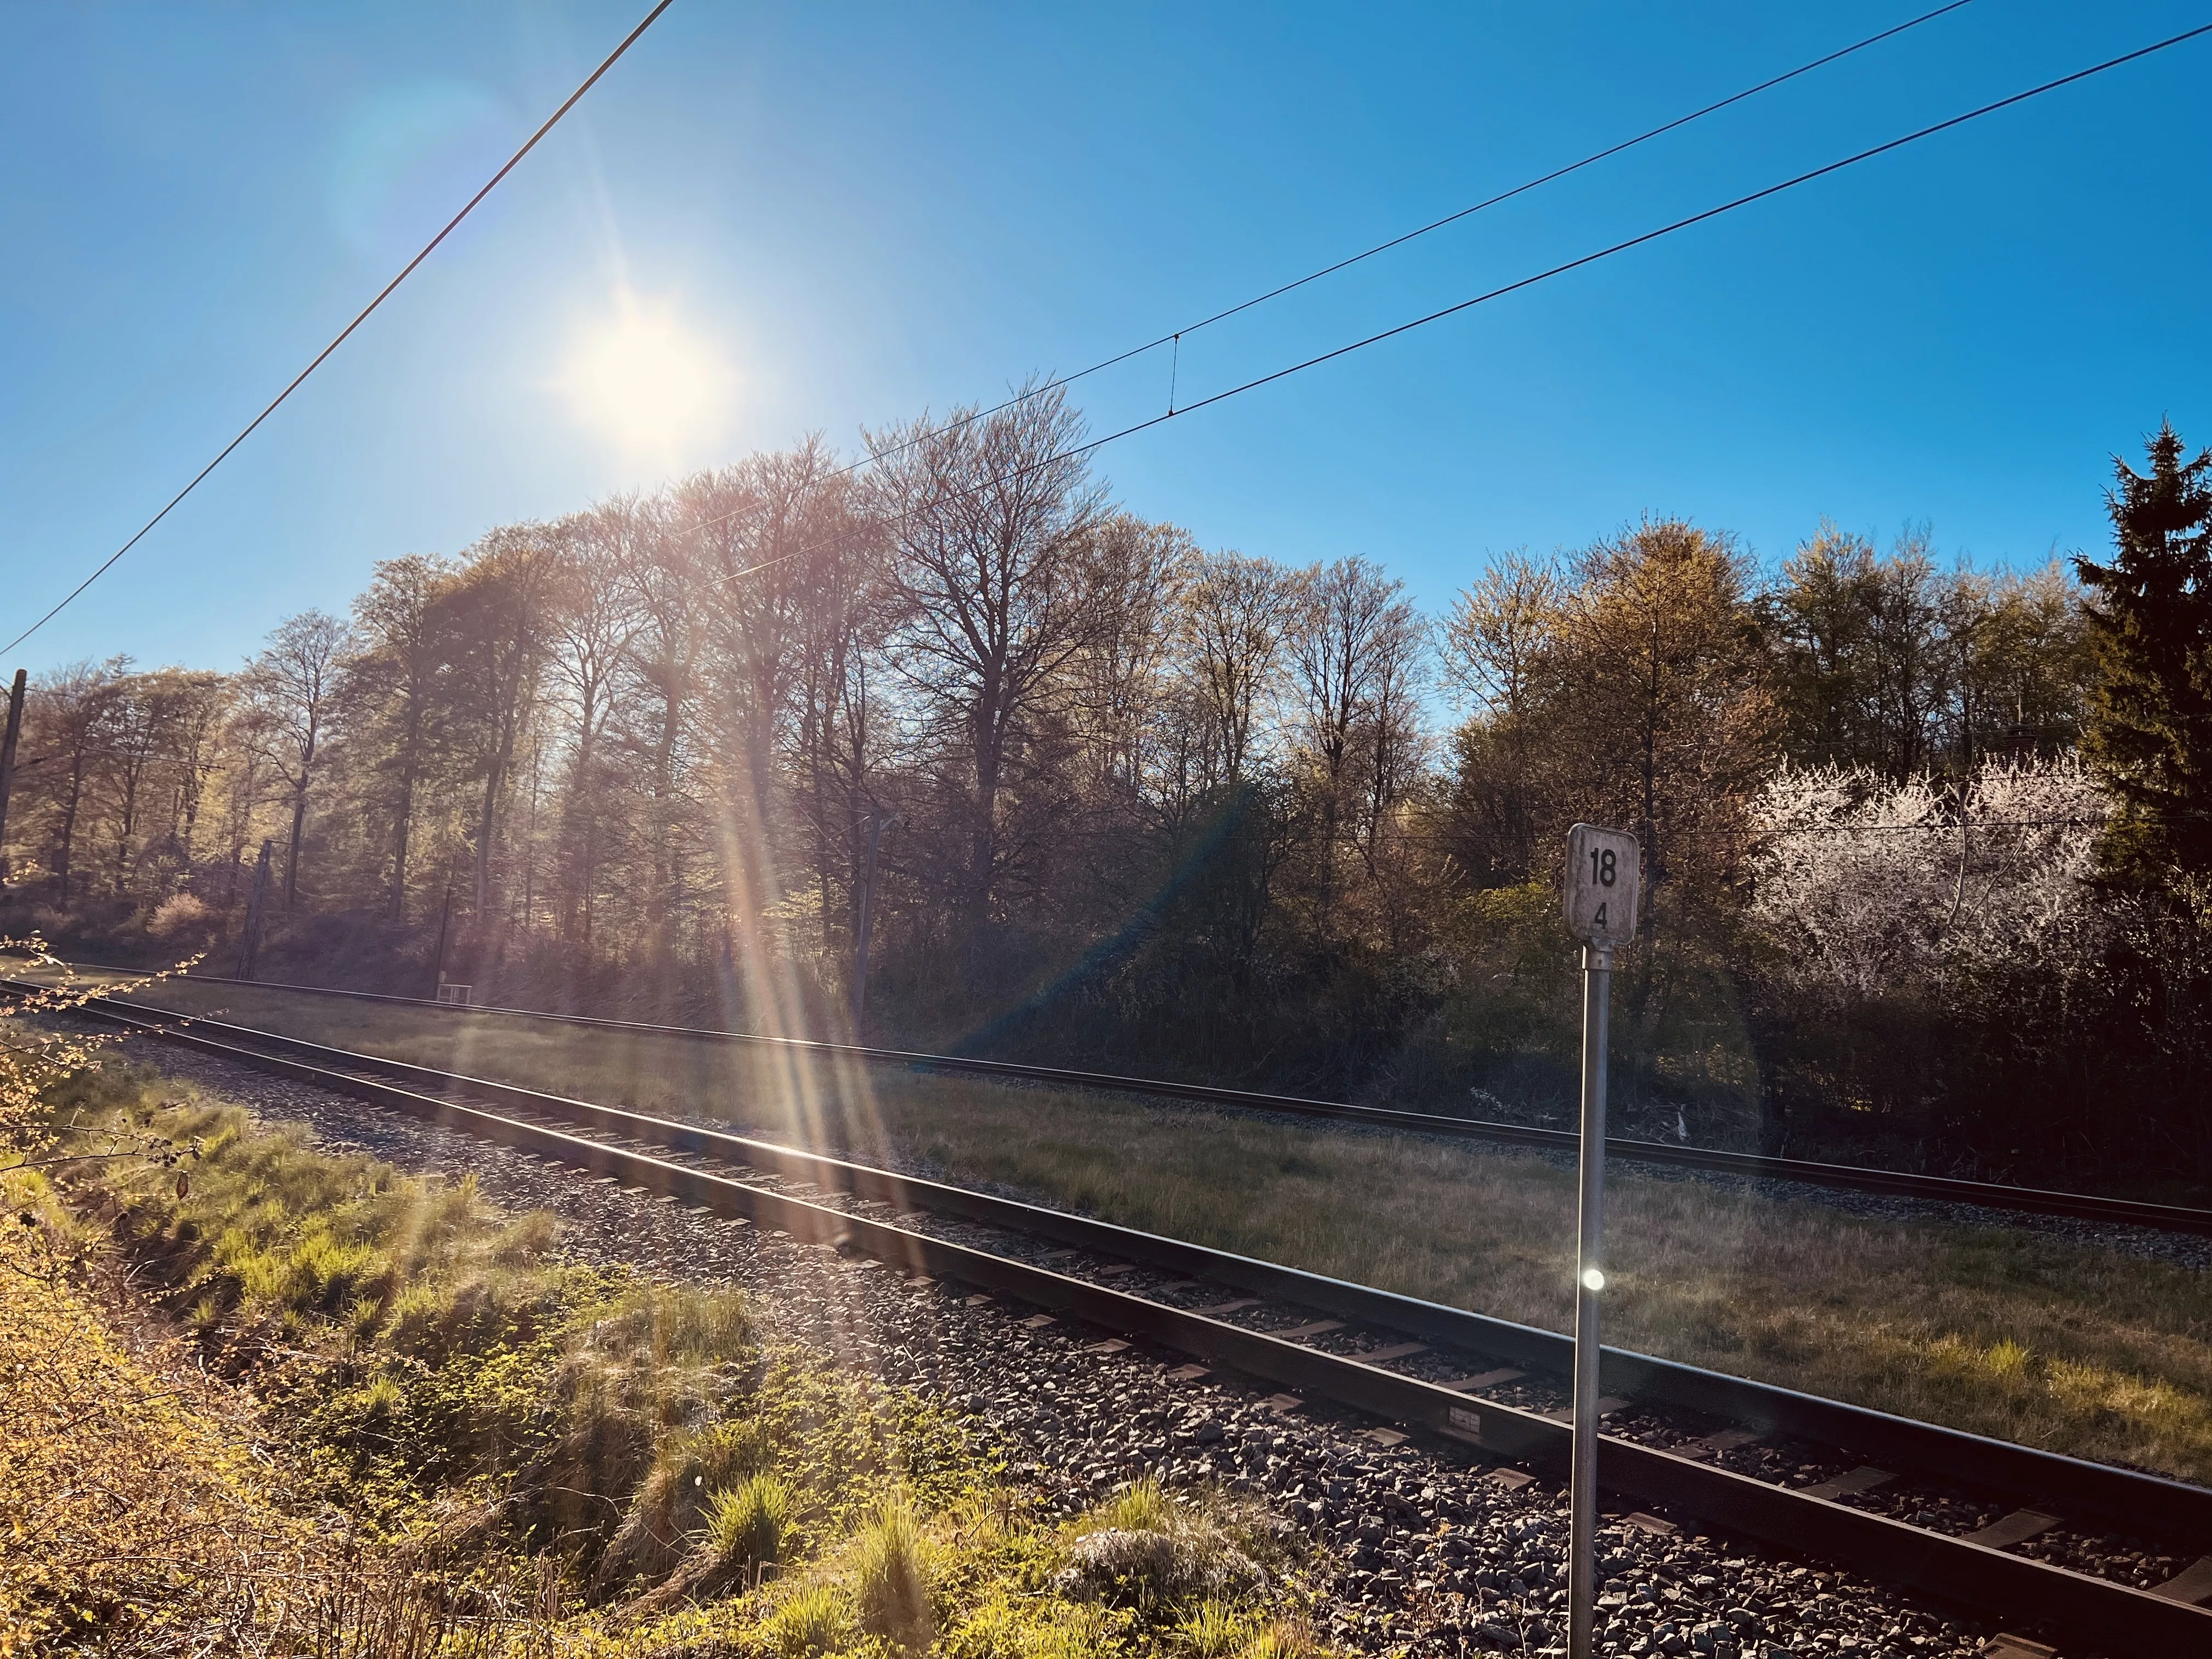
1602,879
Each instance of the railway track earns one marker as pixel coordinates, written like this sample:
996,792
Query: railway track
1846,1177
1681,1437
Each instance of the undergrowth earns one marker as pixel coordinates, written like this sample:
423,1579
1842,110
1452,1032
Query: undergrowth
2112,1358
517,1450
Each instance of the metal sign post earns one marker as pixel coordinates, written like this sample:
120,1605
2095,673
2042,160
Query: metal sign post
1602,872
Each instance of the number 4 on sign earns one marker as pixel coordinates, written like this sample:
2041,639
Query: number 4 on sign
1602,869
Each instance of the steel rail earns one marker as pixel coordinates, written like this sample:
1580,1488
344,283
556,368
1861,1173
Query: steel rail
2171,1218
2116,1618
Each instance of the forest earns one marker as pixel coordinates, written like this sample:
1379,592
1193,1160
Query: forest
947,742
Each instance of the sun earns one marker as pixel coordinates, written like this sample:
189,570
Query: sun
639,378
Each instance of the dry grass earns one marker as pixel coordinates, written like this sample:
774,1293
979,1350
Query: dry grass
2005,1332
401,1432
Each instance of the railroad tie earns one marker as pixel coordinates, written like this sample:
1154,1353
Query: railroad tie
1865,1477
2193,1584
2005,1645
1319,1328
2015,1529
1726,1440
1220,1308
1497,1379
1398,1351
1607,1406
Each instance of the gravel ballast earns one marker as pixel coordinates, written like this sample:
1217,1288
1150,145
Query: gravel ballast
1426,1550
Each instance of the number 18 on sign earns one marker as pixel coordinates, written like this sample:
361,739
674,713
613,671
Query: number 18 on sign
1603,868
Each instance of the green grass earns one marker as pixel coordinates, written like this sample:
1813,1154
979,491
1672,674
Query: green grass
492,1422
2005,1332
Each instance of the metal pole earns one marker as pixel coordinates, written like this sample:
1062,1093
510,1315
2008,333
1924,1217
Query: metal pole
445,915
866,923
1590,1285
8,762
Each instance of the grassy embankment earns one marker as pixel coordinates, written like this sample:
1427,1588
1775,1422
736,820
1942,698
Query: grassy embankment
2009,1333
393,1422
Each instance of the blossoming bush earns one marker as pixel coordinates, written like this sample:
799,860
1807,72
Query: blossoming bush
1868,887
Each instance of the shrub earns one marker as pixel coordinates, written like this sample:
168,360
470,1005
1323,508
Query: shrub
181,917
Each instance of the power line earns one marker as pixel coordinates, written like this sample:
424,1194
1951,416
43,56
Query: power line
1092,445
590,81
1624,246
1175,337
1518,190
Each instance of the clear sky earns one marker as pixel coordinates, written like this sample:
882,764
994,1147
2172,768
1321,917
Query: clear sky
774,219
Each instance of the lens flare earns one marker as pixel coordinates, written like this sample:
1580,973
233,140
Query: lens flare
641,379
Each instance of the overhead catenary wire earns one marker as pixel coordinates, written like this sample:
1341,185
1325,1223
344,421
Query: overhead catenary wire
1174,339
1623,246
429,247
1091,446
1027,393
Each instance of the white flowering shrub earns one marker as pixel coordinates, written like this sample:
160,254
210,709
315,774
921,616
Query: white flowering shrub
1868,888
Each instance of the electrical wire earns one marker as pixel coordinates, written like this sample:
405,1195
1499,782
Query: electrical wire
1093,444
590,81
1617,248
1175,338
1087,447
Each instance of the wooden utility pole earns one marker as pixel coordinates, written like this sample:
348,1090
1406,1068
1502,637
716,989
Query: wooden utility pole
249,947
8,764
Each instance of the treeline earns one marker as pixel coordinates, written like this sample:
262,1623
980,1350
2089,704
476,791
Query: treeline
1109,797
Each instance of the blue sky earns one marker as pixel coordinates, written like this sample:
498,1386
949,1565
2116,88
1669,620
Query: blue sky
851,213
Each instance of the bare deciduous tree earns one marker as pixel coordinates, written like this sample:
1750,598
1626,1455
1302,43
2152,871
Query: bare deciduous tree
1234,616
991,521
289,687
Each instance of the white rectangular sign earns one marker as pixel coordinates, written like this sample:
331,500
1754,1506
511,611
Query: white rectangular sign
1602,869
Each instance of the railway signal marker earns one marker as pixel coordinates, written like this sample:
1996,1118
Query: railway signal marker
1604,877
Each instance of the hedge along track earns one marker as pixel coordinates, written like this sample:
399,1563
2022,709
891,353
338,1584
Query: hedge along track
1990,1195
1993,1582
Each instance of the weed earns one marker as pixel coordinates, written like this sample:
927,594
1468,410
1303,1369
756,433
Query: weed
1142,1506
891,1578
708,1487
1792,1292
1212,1631
750,1523
812,1620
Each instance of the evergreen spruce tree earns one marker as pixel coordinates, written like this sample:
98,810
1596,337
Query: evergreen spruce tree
2149,730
